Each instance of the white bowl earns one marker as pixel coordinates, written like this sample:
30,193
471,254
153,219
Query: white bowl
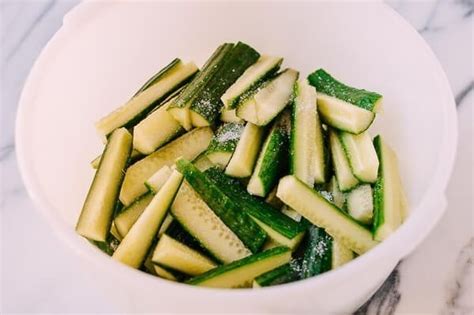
105,50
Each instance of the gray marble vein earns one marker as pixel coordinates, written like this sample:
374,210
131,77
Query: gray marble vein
462,278
386,299
464,92
6,150
428,24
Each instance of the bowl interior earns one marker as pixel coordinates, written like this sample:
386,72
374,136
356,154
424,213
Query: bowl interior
104,53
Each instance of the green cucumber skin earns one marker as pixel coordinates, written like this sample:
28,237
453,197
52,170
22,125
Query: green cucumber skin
281,275
180,277
211,66
237,264
379,217
317,257
275,158
109,246
251,90
161,101
225,208
155,78
254,206
326,84
226,138
208,104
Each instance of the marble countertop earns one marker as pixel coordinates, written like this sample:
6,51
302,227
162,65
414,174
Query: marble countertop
39,274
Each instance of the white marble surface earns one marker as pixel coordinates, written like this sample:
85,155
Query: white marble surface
40,275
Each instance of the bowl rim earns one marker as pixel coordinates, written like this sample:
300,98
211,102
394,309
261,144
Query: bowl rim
397,242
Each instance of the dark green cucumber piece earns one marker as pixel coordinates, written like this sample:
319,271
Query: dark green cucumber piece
176,231
387,201
143,103
278,226
97,212
326,84
281,275
265,67
272,160
109,246
241,273
317,256
223,144
206,108
180,107
228,210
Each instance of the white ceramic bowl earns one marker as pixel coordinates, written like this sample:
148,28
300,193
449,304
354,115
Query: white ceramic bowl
105,50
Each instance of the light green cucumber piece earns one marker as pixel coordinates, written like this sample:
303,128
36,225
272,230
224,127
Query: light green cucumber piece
155,130
269,99
135,245
163,273
245,154
202,163
281,275
189,146
206,107
96,215
204,225
140,105
229,115
129,215
241,273
360,204
342,169
180,107
175,255
387,214
307,148
115,233
273,200
134,156
166,224
227,209
272,160
157,180
339,199
361,155
223,144
340,254
319,211
265,67
291,213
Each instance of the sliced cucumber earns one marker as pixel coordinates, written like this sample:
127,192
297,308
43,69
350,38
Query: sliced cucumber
135,245
241,273
281,275
140,105
155,130
265,67
271,162
229,115
115,233
338,197
109,246
270,244
345,178
295,216
176,231
134,156
129,215
167,222
157,180
223,144
317,257
173,254
180,108
273,200
245,154
387,214
279,227
159,75
361,155
226,209
96,215
188,146
268,100
340,254
308,152
360,204
207,106
202,162
203,224
165,274
314,207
